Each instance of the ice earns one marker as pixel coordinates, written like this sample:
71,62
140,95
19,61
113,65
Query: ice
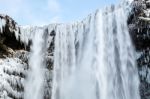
8,67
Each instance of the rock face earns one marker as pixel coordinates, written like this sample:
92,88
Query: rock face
8,40
10,30
14,53
13,60
139,27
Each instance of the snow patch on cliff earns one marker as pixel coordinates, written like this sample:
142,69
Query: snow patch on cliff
2,24
10,69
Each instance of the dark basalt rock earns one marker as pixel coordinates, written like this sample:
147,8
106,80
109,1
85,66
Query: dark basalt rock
139,28
8,34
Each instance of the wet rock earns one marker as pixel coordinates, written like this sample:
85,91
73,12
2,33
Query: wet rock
139,28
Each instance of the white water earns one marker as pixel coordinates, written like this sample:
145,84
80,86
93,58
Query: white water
95,59
34,81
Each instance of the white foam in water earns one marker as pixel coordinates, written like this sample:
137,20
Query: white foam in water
34,81
95,59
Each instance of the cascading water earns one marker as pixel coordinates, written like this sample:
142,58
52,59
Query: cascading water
35,79
95,59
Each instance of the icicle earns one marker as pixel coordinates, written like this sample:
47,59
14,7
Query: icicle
1,26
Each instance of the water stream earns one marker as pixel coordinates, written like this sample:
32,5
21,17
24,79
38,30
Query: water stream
94,59
35,78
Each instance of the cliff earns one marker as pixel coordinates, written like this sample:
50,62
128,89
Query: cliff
139,28
15,49
14,56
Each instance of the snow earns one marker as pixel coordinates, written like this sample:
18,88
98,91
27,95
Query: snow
8,79
130,1
17,33
2,24
27,34
1,29
144,18
138,54
148,1
144,70
147,12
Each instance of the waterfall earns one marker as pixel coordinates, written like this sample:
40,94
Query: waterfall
34,82
94,59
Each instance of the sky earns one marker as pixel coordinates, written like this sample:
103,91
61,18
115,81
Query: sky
40,12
